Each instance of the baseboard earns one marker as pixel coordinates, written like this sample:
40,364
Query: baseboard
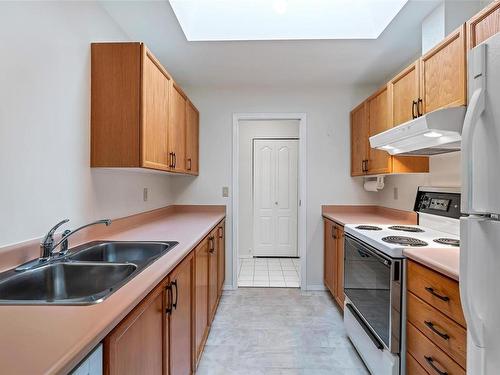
315,287
227,287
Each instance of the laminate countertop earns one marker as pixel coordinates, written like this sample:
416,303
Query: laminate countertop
54,339
367,214
445,261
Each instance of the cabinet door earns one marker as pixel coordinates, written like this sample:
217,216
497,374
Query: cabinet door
177,129
192,139
359,140
155,101
339,263
135,346
483,25
213,293
404,94
181,282
443,76
221,257
379,161
330,255
201,296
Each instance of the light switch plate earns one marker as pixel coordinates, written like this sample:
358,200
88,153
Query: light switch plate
396,193
145,194
225,191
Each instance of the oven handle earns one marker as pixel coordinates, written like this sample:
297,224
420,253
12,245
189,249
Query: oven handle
369,250
367,330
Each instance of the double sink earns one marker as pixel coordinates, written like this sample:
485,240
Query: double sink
88,274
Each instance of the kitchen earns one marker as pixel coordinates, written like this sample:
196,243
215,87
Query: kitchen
77,164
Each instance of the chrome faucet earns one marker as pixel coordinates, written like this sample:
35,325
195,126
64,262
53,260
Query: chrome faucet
48,246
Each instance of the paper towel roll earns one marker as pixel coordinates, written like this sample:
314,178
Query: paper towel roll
371,185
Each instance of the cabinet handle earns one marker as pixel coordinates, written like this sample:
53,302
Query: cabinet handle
431,361
211,246
420,103
221,232
189,164
413,107
174,305
333,232
174,160
168,309
437,332
170,159
433,292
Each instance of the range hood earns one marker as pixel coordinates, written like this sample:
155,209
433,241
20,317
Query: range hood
434,133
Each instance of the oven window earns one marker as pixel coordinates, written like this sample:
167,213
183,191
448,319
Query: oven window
367,281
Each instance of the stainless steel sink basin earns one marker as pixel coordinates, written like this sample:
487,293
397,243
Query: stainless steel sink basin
88,274
139,253
75,283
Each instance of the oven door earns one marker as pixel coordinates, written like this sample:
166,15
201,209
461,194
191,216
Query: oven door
372,283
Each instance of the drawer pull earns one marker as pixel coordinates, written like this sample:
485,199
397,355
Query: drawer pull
433,329
431,361
431,291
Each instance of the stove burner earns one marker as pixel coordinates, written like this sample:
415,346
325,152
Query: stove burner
406,241
448,241
368,227
405,228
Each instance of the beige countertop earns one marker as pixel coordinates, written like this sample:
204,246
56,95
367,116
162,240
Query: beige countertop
364,214
53,339
445,261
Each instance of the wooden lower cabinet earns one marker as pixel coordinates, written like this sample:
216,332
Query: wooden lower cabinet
213,293
435,331
201,297
135,346
166,332
179,338
221,256
334,260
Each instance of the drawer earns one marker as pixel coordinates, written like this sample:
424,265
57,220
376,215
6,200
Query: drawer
441,330
428,354
437,290
413,367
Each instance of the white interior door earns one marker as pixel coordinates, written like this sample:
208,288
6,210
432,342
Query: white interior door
275,198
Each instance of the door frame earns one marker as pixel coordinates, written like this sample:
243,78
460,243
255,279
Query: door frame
302,188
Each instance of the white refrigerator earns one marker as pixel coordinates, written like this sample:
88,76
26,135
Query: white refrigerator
480,231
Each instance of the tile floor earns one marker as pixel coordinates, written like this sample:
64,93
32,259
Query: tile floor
269,272
264,331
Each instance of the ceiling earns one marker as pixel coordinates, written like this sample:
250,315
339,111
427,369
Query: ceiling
276,64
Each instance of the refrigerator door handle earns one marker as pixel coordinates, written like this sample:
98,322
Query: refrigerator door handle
475,324
475,109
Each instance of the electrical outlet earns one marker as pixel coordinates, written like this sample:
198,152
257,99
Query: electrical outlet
145,194
225,191
396,193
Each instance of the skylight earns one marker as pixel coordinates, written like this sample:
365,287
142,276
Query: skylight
212,20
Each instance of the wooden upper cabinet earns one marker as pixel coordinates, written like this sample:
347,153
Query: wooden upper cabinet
155,101
139,115
177,128
359,140
483,25
378,122
443,77
192,137
403,93
135,346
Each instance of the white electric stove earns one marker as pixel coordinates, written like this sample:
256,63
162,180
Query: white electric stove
374,279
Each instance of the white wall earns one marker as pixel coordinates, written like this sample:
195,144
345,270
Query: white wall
328,153
44,123
248,131
444,171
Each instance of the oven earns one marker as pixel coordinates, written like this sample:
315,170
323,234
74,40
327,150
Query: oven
373,287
